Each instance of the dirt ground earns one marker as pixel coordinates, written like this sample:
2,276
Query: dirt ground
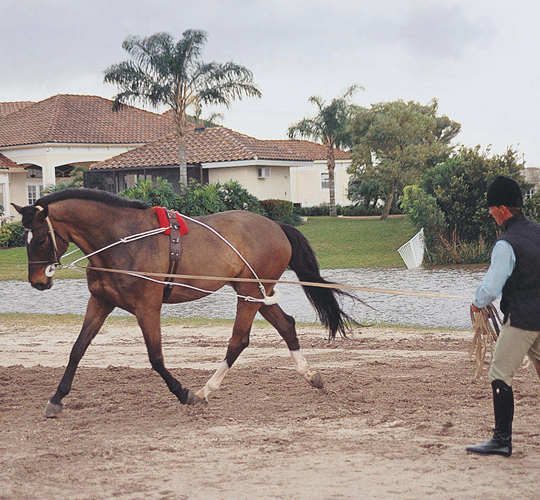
392,422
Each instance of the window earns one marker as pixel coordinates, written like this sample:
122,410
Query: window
34,192
263,172
325,180
2,197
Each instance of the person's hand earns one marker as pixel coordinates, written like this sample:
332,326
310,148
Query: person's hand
474,309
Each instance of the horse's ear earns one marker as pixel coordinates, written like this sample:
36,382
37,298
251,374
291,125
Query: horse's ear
41,213
17,207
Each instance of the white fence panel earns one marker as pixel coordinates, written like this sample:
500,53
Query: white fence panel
412,252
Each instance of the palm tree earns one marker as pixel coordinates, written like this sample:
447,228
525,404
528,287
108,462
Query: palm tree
329,127
162,72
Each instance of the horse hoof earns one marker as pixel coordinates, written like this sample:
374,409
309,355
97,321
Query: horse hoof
317,381
193,399
52,410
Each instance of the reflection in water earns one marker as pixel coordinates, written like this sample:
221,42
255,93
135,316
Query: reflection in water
71,296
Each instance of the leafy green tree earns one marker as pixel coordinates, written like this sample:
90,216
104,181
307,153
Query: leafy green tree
460,184
449,204
396,142
164,72
329,127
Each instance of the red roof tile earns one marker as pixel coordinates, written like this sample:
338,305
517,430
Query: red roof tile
312,150
7,108
76,119
6,163
217,144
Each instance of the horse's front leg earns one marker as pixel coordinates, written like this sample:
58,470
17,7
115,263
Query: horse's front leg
245,314
149,321
97,311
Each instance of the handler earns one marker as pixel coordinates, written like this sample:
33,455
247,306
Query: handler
514,272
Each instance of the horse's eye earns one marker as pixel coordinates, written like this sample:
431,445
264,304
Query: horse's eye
41,243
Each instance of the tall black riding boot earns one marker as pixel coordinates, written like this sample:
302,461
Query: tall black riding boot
503,404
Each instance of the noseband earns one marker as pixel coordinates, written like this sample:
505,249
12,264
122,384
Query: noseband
55,262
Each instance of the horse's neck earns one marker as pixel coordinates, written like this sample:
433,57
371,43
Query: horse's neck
92,226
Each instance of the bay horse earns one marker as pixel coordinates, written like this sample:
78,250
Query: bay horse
94,220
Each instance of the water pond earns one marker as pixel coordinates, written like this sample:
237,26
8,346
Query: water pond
71,296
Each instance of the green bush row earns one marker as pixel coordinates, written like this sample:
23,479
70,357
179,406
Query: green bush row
345,210
198,199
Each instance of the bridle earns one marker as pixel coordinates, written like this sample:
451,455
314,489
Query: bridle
55,262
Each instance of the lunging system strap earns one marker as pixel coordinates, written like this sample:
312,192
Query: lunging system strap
175,251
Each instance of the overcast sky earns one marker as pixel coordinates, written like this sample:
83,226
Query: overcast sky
479,58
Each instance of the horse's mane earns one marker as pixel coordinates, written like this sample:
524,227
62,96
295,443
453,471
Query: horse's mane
92,195
80,194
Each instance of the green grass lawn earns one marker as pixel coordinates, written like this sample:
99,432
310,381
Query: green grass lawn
14,264
352,243
338,243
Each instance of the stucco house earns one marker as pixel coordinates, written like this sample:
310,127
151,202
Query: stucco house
292,170
42,142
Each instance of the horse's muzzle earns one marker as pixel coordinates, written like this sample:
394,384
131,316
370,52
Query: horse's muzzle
42,286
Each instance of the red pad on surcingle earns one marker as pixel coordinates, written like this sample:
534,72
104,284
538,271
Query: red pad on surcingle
164,221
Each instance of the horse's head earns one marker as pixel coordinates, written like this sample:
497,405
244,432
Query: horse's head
44,245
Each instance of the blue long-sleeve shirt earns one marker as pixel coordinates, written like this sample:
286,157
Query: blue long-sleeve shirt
503,262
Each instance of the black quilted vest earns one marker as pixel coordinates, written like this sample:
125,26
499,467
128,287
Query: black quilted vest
521,293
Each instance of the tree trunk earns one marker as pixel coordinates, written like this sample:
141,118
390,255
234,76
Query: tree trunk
331,163
389,201
180,121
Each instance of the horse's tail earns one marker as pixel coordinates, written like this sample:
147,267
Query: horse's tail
304,263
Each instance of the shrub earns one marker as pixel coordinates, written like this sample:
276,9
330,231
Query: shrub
452,250
195,199
422,211
200,200
160,193
345,210
11,235
532,207
236,197
281,211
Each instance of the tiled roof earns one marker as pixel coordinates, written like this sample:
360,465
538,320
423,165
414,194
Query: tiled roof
7,108
310,149
6,163
218,144
77,119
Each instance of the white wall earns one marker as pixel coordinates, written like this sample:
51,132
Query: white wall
277,186
306,184
50,156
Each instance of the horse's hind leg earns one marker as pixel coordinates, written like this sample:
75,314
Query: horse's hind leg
245,314
149,321
96,312
285,325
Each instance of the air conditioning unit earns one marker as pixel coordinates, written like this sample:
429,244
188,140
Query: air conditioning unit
263,173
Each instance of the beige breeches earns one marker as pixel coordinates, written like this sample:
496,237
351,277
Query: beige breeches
511,348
